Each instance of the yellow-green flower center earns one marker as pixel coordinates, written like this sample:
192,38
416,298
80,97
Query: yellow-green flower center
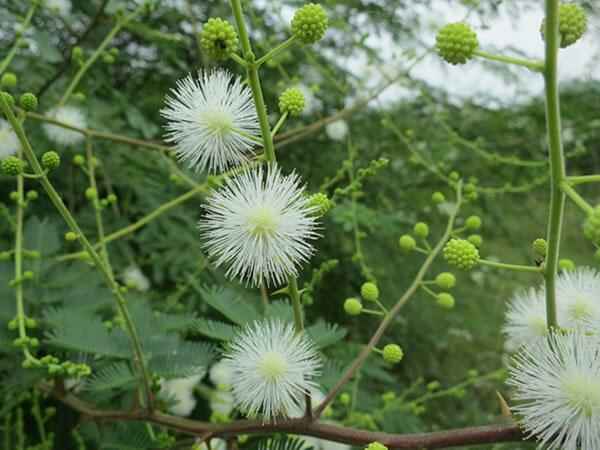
581,308
218,122
538,326
272,366
583,393
263,221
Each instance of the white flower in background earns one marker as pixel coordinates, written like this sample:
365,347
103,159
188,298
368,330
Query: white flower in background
322,444
311,103
181,390
211,120
259,225
557,383
134,277
71,116
215,444
337,130
525,319
446,208
578,292
220,374
222,402
9,142
62,7
273,368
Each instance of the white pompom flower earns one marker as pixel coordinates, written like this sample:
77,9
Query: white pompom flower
525,319
273,369
337,130
220,374
134,277
557,385
61,7
212,120
181,392
69,115
260,225
578,292
9,142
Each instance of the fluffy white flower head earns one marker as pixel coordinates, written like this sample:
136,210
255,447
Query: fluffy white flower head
9,142
62,7
133,276
578,292
525,319
273,368
557,383
337,130
181,390
69,115
220,374
211,120
260,225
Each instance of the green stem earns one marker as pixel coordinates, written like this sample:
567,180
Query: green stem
583,179
276,51
296,304
254,81
557,160
13,51
515,267
576,198
74,227
279,124
536,66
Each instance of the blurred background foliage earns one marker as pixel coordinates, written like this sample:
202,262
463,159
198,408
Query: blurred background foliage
422,129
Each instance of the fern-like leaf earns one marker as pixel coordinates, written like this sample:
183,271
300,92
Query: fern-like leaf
112,376
213,329
282,442
229,303
325,334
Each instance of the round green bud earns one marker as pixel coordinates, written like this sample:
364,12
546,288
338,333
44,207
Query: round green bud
12,166
91,193
78,160
437,198
79,97
114,51
218,38
5,255
30,323
456,43
345,399
572,24
591,226
28,101
321,203
369,291
392,353
70,236
8,80
352,306
433,386
407,242
445,280
454,175
77,53
445,300
32,195
473,223
540,247
309,23
388,396
475,239
14,196
9,99
376,446
28,275
421,230
292,101
111,199
461,253
566,264
50,160
107,58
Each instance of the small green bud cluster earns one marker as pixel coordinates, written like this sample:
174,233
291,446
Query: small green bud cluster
12,166
9,99
456,43
445,280
78,160
26,342
437,198
407,243
566,264
50,160
591,226
28,101
392,353
421,229
321,203
218,38
461,253
291,101
70,236
445,300
473,223
475,239
369,291
32,195
353,306
572,24
345,399
310,23
376,446
540,247
8,81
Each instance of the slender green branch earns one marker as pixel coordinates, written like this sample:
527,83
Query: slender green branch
515,267
276,51
74,227
279,124
13,50
238,59
296,304
536,66
576,198
573,181
557,159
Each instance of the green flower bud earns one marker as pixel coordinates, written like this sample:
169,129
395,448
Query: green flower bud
352,306
392,353
376,446
388,396
473,223
91,193
77,53
345,399
8,80
445,280
321,203
433,386
12,166
107,58
32,195
421,230
5,256
218,38
407,242
292,101
461,253
310,23
28,101
572,24
70,236
566,264
78,160
445,300
369,291
111,199
454,175
50,160
14,196
540,247
475,239
591,226
9,99
28,275
456,43
437,198
79,97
